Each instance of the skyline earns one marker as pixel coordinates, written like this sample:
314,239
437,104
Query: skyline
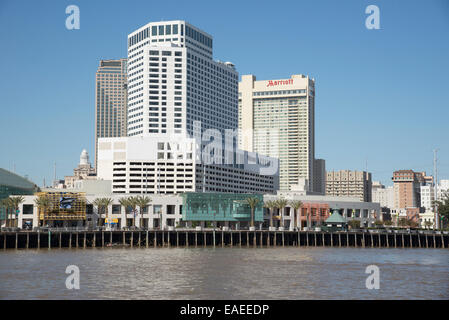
54,82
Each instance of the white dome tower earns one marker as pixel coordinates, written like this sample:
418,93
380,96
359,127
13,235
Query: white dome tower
84,158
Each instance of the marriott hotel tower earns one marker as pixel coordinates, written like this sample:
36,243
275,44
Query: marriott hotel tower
277,119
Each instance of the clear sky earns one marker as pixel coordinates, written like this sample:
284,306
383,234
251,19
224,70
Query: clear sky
382,96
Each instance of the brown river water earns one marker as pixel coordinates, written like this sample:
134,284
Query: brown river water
225,273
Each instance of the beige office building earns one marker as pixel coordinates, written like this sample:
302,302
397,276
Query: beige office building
347,183
277,119
110,100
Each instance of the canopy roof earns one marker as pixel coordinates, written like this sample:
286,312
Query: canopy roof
336,218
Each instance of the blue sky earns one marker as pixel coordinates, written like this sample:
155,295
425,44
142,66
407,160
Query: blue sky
382,96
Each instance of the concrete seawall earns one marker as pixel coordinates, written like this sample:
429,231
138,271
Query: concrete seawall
208,238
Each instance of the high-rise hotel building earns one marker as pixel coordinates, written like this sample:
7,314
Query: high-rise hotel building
110,100
173,81
174,84
277,118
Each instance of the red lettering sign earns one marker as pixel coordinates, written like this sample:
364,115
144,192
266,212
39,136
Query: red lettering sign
272,83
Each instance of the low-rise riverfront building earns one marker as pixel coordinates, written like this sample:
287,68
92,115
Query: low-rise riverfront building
189,209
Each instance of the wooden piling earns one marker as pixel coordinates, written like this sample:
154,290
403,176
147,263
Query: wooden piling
442,241
4,241
434,242
140,239
403,244
204,239
85,240
70,240
123,237
132,239
17,240
427,241
411,241
247,239
355,240
339,240
322,239
94,243
261,239
419,240
28,240
395,240
232,241
283,233
155,239
49,239
146,239
372,241
102,239
387,239
347,239
363,240
240,242
187,239
177,239
196,239
332,239
77,242
380,241
307,237
299,240
60,239
315,237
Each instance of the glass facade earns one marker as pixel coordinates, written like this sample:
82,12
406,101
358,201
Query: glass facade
220,207
12,184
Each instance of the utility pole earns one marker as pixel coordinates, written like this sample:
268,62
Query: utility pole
435,188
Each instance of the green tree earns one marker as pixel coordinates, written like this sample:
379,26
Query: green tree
43,203
296,205
354,224
15,204
388,222
252,202
378,223
6,206
133,203
142,202
271,205
443,209
100,204
126,204
281,204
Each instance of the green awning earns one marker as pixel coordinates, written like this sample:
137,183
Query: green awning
336,218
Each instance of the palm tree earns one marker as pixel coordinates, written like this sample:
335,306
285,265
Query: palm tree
106,203
5,204
15,203
296,205
133,204
142,202
270,205
99,203
252,202
281,204
125,203
43,203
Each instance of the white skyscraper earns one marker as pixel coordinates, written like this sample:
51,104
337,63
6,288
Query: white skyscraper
173,81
